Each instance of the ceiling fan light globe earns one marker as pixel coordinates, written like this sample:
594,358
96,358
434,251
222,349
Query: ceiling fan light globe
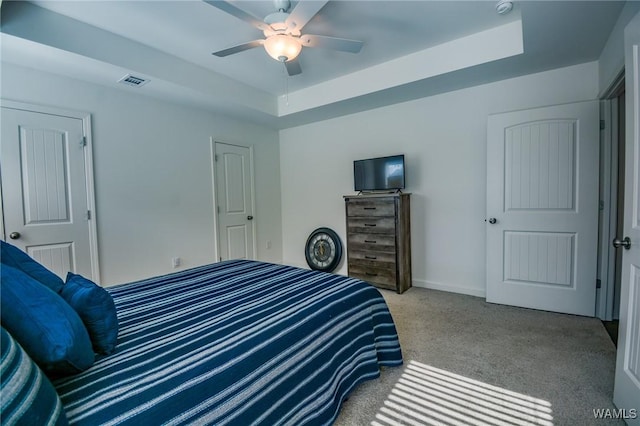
282,47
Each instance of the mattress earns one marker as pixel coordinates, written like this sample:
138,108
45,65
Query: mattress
235,343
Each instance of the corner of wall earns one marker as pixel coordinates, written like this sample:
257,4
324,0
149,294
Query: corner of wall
611,60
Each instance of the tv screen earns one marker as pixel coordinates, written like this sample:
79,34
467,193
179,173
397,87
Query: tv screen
379,174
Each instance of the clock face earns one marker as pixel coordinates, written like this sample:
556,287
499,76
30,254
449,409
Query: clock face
323,250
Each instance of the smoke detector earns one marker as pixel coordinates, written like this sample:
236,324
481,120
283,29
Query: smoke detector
504,6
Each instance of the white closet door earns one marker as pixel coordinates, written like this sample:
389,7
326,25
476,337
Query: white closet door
627,379
542,208
44,189
234,197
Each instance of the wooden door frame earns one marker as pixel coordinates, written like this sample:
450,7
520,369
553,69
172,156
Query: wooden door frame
88,164
216,220
609,139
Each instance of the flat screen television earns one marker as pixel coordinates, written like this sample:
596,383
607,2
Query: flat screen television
379,174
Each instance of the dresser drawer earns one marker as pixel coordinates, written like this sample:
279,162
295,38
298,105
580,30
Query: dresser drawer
371,225
373,256
379,243
371,207
378,273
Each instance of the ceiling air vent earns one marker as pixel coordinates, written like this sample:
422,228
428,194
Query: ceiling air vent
132,80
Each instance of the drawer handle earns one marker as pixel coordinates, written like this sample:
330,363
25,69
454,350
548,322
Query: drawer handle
369,224
371,274
370,257
370,208
370,241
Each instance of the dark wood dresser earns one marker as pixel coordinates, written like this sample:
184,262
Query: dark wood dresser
379,239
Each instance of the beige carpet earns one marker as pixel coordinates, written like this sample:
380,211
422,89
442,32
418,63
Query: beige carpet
470,362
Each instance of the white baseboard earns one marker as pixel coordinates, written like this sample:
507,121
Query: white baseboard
452,288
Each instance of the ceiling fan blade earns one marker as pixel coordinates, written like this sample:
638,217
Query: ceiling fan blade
238,13
341,44
293,67
239,48
303,12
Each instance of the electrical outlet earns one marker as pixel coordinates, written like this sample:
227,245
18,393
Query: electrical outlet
175,261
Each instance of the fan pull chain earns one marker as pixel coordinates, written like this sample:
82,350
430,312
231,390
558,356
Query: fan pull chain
286,86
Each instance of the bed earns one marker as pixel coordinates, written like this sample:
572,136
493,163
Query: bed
235,343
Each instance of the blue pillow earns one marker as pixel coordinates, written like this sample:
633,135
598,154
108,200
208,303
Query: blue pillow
95,307
28,397
12,256
48,329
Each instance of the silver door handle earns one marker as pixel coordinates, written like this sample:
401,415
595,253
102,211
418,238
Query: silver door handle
625,242
249,217
14,235
493,220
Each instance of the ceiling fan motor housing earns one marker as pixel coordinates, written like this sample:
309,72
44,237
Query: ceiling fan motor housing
276,20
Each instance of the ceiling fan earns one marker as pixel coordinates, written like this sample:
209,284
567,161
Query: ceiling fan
283,40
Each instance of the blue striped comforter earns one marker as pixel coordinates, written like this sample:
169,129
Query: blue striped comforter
235,343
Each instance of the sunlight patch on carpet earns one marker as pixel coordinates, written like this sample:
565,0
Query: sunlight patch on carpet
426,395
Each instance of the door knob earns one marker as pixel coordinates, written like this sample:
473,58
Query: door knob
625,242
493,220
14,235
249,217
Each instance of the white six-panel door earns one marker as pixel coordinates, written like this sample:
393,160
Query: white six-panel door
234,198
542,208
627,378
44,190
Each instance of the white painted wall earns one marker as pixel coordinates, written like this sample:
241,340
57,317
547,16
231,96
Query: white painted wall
444,140
153,173
611,61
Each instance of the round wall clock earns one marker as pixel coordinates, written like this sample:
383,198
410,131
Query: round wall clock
323,250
